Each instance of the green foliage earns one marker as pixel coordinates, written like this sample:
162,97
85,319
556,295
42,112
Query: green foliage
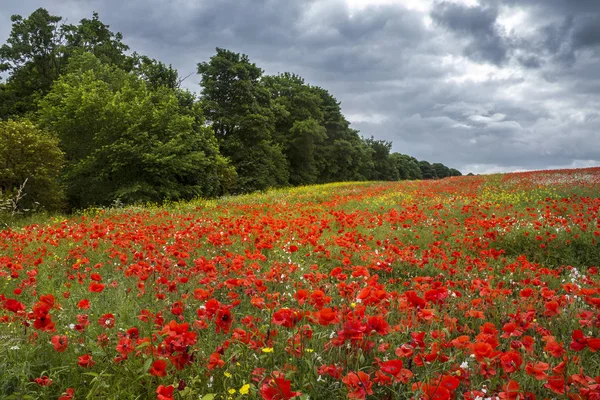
155,73
299,125
455,172
30,159
427,170
344,156
37,52
126,141
383,167
441,171
407,166
239,109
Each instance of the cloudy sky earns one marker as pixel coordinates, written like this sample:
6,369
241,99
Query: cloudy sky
480,85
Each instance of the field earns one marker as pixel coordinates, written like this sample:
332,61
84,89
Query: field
468,287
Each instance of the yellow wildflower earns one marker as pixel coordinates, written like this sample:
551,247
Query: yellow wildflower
245,389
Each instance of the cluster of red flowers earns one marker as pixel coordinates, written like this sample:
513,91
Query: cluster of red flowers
467,287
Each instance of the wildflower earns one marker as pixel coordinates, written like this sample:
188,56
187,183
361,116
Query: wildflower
86,361
245,389
158,368
60,343
277,388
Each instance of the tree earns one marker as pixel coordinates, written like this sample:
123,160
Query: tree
31,155
344,156
238,106
455,172
37,51
298,125
125,140
155,73
441,171
427,170
383,169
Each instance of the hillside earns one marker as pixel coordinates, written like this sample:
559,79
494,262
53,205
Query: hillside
474,285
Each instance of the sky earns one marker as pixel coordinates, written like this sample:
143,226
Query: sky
483,86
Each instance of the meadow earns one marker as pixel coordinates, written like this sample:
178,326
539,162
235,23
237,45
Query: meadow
468,287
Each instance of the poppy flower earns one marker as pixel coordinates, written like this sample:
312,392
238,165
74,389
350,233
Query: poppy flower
538,370
60,343
359,385
223,320
43,381
277,388
86,361
68,395
83,304
556,383
158,368
96,287
327,316
164,392
511,391
107,321
579,342
215,361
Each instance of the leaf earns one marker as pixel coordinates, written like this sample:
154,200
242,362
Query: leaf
146,366
209,396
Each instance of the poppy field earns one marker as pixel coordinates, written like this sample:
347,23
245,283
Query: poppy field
471,287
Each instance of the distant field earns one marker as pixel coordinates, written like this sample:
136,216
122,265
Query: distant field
474,287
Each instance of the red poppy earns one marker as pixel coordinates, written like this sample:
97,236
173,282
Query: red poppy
511,391
215,361
96,287
396,370
286,317
164,392
327,316
277,388
223,320
86,361
511,361
358,384
43,381
538,370
579,342
378,324
68,395
158,368
83,304
107,321
556,383
60,343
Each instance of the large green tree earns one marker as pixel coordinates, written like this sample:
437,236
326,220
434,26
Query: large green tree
299,125
427,170
126,140
37,52
441,171
407,166
239,108
344,156
383,168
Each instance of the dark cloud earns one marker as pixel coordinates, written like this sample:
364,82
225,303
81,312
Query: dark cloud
478,24
492,86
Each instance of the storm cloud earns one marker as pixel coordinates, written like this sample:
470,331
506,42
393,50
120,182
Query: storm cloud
482,86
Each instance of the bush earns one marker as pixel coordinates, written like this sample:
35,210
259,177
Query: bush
30,164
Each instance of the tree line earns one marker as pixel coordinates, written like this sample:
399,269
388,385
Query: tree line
84,122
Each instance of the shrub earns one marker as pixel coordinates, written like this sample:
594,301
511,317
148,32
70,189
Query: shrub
30,164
